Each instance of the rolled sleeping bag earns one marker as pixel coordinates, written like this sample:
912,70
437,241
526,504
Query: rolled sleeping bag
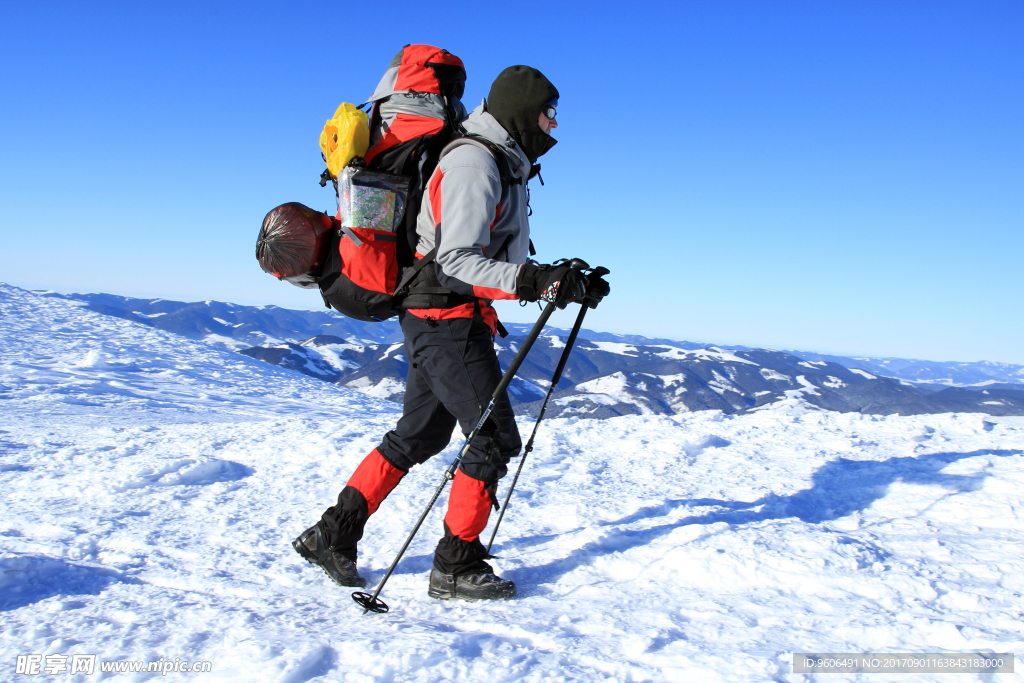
292,245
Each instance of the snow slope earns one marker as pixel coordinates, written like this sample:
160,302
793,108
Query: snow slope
153,484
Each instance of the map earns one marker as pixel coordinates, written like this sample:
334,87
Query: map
370,207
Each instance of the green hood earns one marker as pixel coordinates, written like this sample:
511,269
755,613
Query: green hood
516,98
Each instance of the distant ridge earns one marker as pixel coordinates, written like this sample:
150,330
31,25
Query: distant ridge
608,375
237,327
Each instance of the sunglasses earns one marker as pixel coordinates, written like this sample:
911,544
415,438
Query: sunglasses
549,111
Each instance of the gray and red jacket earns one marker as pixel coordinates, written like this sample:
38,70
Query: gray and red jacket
465,218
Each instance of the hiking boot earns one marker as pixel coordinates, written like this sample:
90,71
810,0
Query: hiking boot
482,586
311,545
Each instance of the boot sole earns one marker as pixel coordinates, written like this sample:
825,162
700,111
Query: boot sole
438,595
361,584
445,595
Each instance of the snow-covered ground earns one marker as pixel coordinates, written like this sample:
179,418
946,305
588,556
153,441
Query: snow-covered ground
152,486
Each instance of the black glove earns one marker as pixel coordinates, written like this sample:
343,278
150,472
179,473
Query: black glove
597,288
561,285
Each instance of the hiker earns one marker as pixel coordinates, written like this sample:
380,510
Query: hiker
482,254
482,248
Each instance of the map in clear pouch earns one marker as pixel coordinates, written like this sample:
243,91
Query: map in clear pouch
372,207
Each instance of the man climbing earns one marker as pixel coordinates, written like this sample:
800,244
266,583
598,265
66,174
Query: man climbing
475,216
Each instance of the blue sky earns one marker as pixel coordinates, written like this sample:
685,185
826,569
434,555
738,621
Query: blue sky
833,176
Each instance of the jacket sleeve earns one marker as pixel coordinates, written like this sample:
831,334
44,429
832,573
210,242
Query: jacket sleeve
464,194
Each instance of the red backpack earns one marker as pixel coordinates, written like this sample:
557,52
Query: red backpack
369,251
415,111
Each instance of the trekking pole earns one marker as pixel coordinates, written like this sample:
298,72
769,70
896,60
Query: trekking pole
371,603
540,416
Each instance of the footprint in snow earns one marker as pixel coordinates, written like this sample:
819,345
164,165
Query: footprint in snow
211,472
190,472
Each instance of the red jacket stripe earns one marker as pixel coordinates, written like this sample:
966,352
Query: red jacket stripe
492,293
497,215
434,192
487,312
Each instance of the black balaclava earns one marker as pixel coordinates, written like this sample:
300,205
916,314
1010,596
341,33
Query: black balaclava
517,96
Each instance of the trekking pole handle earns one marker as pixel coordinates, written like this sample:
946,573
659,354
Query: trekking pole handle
578,264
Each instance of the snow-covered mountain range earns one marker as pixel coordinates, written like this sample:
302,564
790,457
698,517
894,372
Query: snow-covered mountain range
153,483
607,374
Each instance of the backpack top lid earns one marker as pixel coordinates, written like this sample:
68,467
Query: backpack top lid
420,91
423,69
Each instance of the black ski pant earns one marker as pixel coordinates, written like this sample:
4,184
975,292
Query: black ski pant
453,370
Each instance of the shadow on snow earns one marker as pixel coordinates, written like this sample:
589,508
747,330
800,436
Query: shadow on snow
27,579
840,488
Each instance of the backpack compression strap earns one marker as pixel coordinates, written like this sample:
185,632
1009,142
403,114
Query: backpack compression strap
414,270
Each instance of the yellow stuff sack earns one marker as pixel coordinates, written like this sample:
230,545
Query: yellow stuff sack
345,135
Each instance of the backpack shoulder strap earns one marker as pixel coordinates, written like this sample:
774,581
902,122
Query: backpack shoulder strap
504,170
